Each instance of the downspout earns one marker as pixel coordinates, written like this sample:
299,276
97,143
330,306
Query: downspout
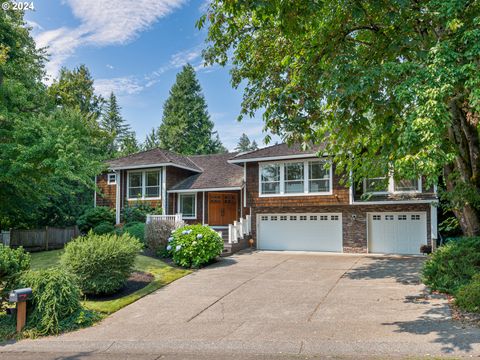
203,207
164,191
117,197
95,193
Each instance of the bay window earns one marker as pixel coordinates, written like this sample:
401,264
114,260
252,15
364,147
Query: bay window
302,177
187,205
144,184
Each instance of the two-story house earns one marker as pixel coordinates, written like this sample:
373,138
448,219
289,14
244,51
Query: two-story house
295,201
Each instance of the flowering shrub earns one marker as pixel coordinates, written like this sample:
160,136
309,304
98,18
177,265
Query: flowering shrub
194,245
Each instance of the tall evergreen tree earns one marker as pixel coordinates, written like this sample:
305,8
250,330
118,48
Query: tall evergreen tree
113,123
152,140
186,126
244,144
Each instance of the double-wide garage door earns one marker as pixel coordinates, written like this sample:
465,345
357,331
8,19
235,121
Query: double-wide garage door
307,231
397,232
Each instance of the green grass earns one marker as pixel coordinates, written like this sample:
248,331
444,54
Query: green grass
163,274
45,259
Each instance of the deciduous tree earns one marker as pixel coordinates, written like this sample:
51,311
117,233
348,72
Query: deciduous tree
386,84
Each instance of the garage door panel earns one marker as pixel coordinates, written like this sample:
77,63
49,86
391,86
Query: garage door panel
306,231
397,232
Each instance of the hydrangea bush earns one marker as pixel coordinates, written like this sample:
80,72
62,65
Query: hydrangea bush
194,245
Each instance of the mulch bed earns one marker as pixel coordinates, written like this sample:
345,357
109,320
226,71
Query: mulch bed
136,281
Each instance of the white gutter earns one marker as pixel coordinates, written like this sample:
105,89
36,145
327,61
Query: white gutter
205,189
269,158
393,202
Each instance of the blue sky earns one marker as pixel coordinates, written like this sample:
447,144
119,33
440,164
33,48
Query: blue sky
135,48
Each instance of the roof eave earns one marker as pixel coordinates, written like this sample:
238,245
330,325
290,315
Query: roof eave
130,167
272,158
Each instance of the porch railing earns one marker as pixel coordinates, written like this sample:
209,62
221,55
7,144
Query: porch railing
176,220
239,229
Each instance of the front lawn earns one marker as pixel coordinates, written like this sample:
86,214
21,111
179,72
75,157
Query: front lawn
163,275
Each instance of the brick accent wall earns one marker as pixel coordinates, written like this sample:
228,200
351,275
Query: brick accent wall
354,230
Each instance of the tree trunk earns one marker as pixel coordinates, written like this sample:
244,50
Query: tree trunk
463,134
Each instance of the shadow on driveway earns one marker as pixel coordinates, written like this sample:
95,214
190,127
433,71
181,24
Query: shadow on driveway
404,269
452,335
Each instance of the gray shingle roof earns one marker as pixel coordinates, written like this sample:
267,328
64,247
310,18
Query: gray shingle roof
277,150
217,173
153,157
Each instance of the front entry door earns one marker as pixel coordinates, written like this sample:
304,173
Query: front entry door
222,208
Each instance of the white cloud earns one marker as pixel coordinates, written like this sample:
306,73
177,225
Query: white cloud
177,60
110,66
102,23
34,25
120,86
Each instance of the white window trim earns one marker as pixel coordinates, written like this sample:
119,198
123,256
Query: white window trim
391,188
306,178
144,178
114,182
194,205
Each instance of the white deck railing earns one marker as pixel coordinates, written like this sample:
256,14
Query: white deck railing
239,229
176,220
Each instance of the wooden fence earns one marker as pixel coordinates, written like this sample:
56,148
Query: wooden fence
40,239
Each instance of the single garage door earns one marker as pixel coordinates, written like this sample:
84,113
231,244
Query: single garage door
309,232
397,232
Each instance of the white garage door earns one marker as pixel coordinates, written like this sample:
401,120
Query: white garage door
310,232
397,232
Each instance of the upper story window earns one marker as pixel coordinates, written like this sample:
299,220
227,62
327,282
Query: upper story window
270,179
111,179
319,179
380,185
306,177
293,176
407,185
144,184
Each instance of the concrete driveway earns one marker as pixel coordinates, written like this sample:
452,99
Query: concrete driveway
273,303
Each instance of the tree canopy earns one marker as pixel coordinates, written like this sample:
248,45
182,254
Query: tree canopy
48,154
389,86
186,126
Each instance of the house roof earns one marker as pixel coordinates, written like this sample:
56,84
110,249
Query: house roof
153,157
278,151
217,173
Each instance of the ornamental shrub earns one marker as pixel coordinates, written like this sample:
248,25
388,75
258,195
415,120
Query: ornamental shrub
157,234
136,229
103,228
468,296
55,304
12,263
93,217
453,265
138,212
194,245
102,263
